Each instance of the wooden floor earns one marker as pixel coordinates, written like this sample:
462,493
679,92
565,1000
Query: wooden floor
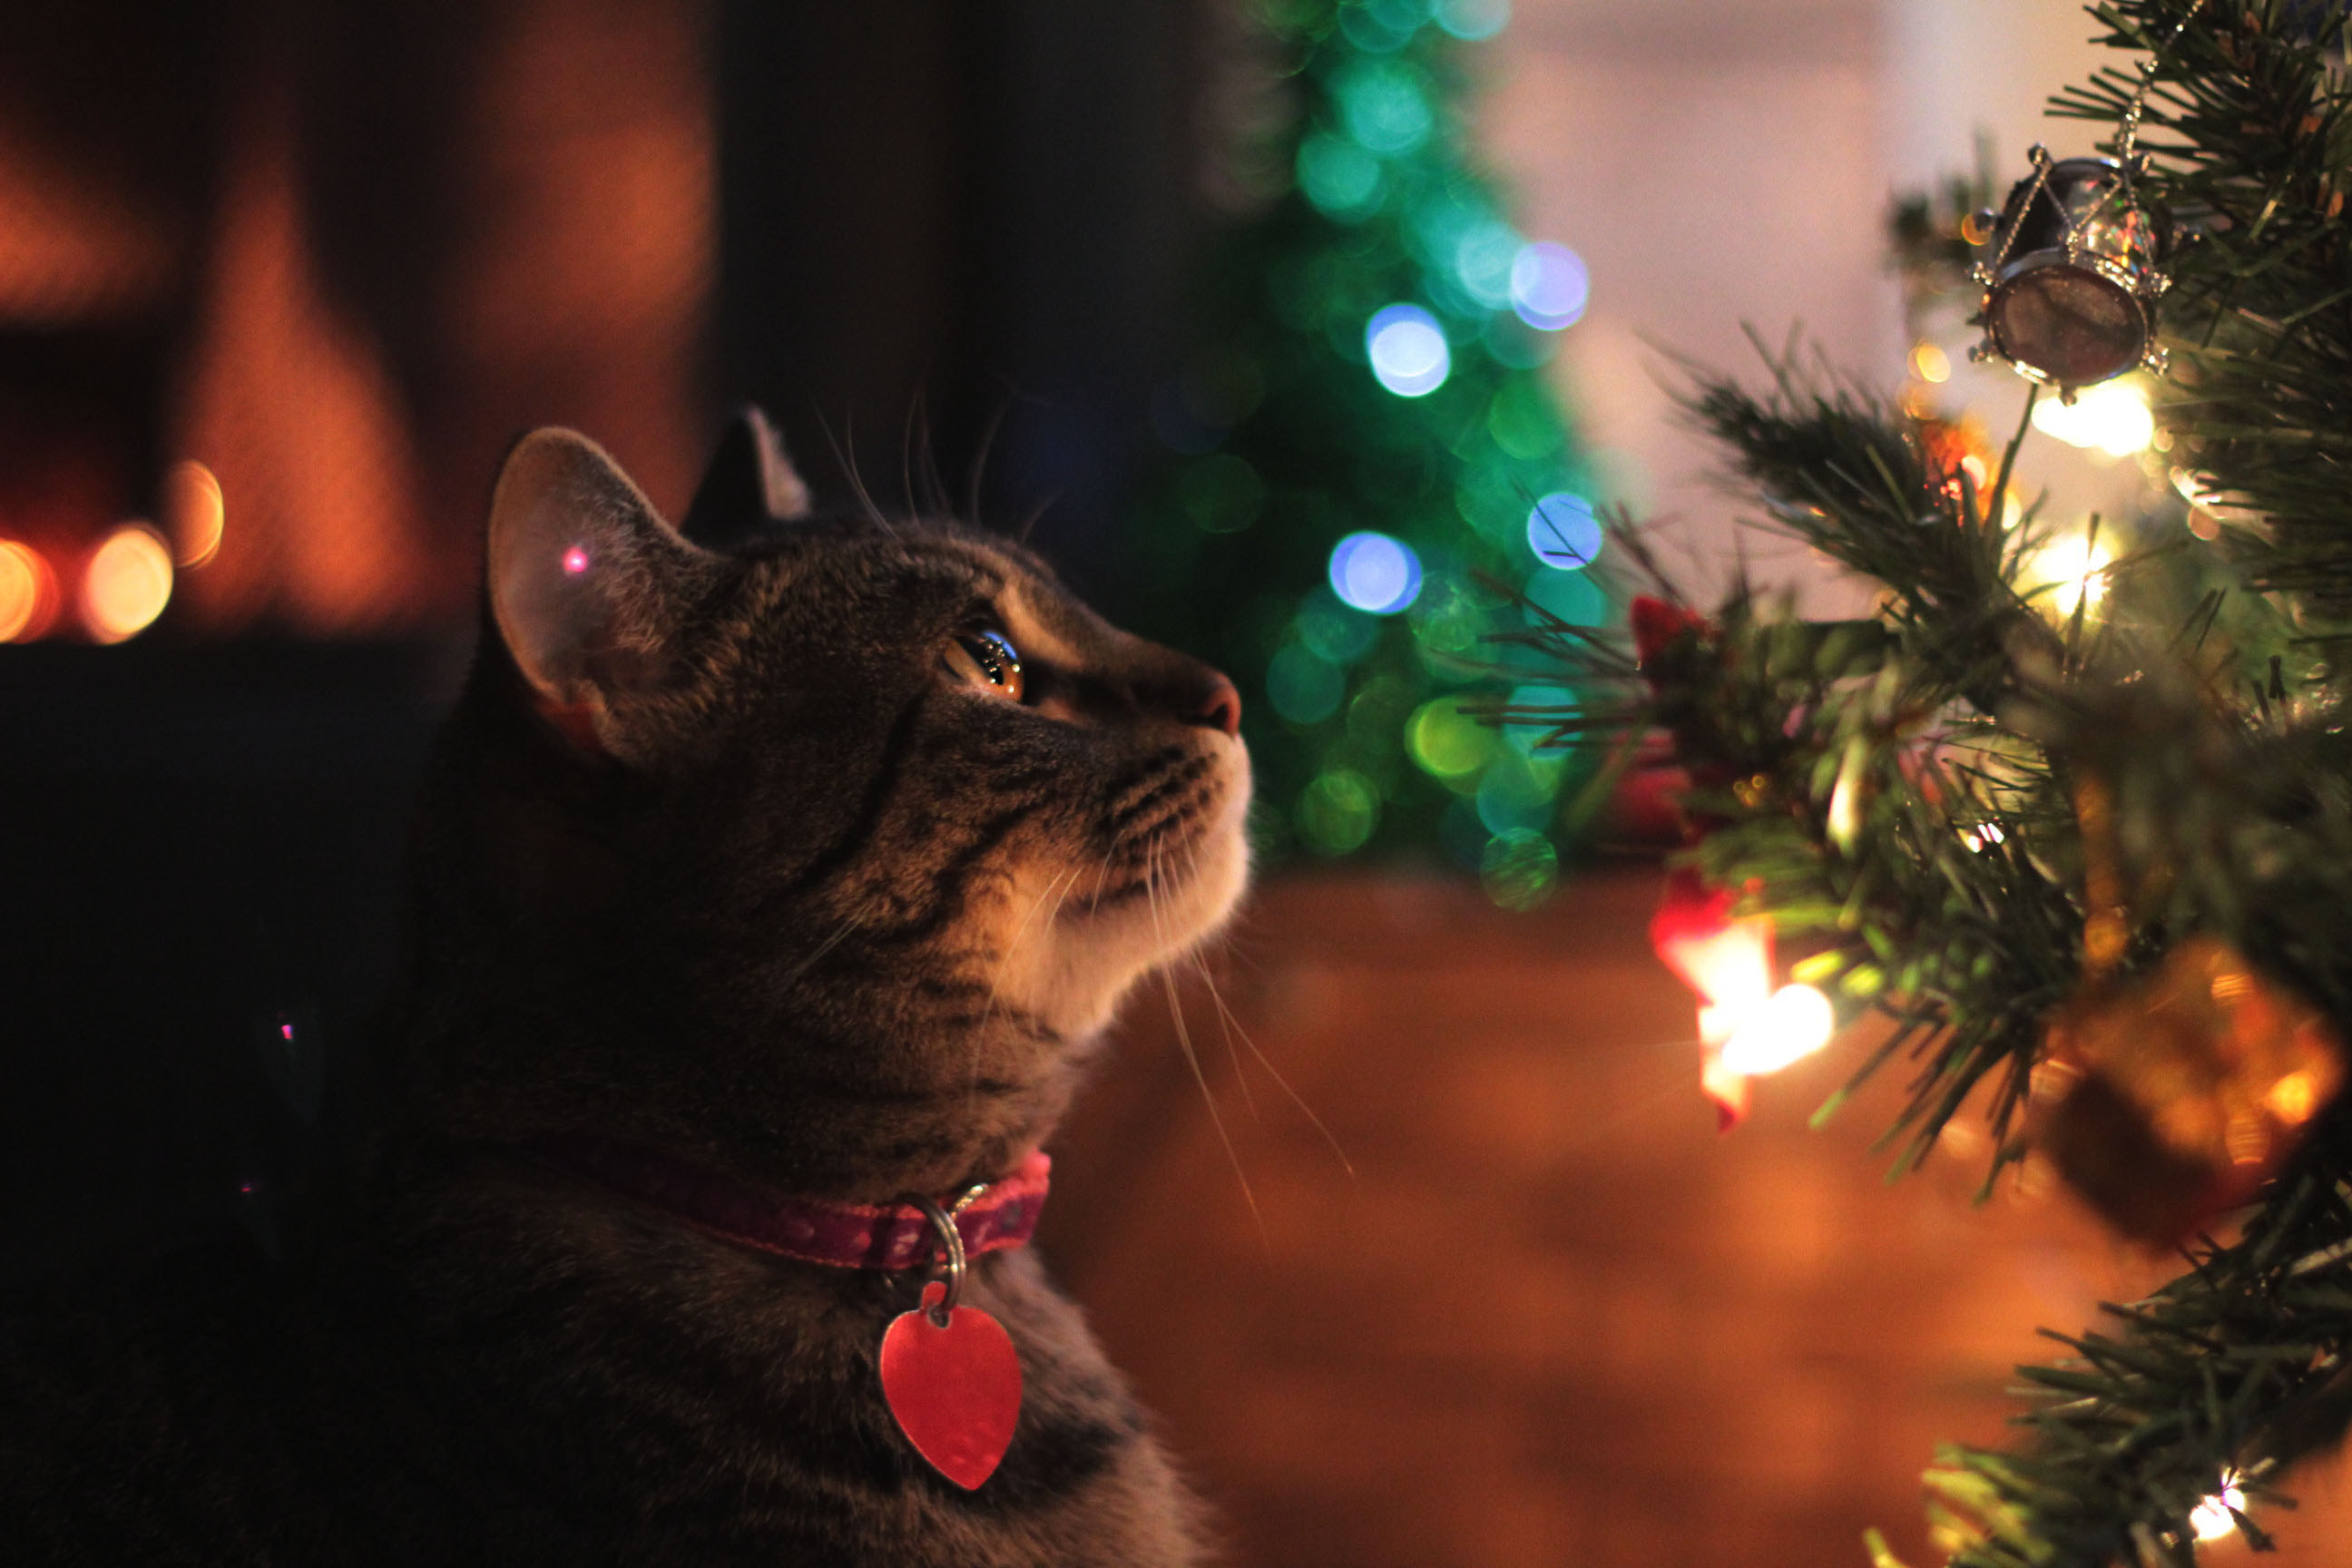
1550,1317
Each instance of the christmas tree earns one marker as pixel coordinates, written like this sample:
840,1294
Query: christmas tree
2071,812
1363,444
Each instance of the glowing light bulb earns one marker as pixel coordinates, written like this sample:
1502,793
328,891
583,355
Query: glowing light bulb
1549,286
127,584
28,593
1982,834
575,561
1373,573
1930,364
2211,1520
1794,1022
195,511
1727,962
2112,417
2072,571
1408,351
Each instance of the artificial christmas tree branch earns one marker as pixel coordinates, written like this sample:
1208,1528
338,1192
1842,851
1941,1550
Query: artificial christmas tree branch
2029,834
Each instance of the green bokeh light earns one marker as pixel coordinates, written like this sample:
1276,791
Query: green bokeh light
1473,19
1349,711
1573,596
1384,105
1339,177
1337,633
1337,811
1450,745
1483,254
1520,418
1556,703
1304,688
1519,868
1517,791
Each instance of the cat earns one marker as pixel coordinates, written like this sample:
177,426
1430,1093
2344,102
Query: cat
788,855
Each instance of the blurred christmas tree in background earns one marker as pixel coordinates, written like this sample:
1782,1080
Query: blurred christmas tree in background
1364,450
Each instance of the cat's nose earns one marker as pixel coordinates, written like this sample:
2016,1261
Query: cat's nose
1221,710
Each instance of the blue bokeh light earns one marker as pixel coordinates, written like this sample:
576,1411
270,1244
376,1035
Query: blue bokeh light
1549,286
1375,573
1407,348
1563,532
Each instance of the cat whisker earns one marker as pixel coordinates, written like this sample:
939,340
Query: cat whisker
1193,1057
1036,515
1234,1027
1225,1021
816,954
1109,852
845,452
982,452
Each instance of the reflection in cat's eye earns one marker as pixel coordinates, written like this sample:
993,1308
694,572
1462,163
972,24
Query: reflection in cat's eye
986,659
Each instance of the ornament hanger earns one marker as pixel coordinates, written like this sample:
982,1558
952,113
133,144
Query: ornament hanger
2078,263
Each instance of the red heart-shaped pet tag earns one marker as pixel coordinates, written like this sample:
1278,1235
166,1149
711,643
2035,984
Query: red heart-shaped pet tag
955,1391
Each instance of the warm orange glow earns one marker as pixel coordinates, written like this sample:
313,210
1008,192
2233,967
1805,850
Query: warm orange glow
195,511
127,583
28,592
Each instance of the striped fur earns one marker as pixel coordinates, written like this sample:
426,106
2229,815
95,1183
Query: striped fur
716,859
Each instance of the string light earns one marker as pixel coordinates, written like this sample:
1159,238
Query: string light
1792,1025
2211,1519
2112,417
2072,571
1981,835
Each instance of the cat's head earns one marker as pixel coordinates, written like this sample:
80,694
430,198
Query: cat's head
813,845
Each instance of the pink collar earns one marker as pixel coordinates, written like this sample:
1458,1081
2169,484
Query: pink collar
813,1230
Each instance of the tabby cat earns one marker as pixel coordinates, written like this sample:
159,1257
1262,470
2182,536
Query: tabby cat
808,852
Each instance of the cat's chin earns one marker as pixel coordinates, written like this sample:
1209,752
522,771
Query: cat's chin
1100,939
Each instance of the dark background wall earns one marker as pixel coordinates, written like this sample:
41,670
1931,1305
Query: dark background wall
953,239
343,254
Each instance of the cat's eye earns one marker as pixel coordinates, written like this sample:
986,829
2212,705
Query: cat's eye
986,659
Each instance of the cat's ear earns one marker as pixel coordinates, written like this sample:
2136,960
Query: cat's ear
750,484
587,582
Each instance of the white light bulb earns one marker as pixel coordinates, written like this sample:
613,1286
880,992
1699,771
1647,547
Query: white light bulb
1794,1022
2211,1519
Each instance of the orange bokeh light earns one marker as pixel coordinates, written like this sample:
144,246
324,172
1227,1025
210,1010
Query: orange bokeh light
127,583
28,592
195,511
